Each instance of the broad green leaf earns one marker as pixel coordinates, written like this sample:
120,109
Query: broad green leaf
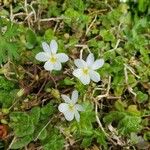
30,39
47,111
129,124
141,97
21,123
119,105
22,142
54,141
35,115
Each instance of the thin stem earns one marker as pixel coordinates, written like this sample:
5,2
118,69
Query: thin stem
12,142
88,29
42,129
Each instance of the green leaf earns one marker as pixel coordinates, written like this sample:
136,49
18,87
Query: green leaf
143,4
86,142
75,4
141,97
126,122
21,123
113,116
49,35
85,127
35,115
132,109
54,141
132,81
118,84
107,35
46,111
30,39
119,105
12,30
68,81
109,55
10,43
7,97
129,124
21,142
101,138
41,135
75,20
53,9
6,84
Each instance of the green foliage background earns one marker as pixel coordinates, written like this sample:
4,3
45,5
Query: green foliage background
117,109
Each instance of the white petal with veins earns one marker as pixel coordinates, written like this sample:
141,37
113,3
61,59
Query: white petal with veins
74,96
63,107
62,57
98,64
48,66
77,72
79,107
53,46
46,47
85,79
69,115
66,98
57,66
90,59
42,56
80,63
94,76
77,116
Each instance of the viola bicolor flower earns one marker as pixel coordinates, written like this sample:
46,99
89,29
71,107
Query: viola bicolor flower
70,108
50,57
86,69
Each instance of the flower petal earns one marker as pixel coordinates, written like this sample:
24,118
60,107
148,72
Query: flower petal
98,64
42,56
80,63
77,116
57,66
94,76
74,96
90,59
63,107
46,47
77,73
66,98
85,79
53,46
62,57
79,107
69,115
48,66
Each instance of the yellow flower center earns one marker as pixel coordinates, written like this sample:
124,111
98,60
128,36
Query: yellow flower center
71,107
53,59
85,71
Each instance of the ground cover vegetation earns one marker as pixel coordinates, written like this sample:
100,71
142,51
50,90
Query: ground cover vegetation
75,74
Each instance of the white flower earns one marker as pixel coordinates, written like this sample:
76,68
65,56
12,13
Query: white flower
86,69
70,108
50,57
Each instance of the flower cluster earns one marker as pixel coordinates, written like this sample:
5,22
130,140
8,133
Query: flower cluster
85,72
